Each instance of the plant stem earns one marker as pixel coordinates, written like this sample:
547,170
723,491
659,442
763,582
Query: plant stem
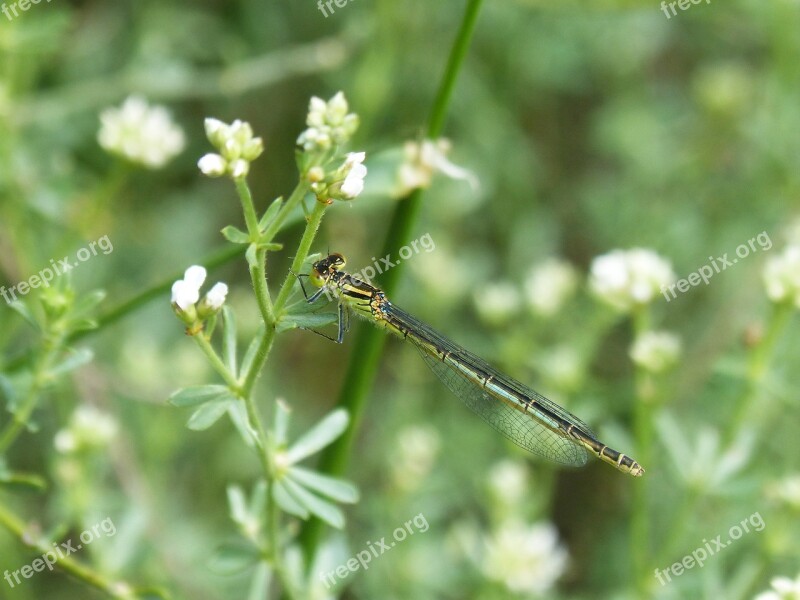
50,346
302,253
643,427
216,361
114,589
364,359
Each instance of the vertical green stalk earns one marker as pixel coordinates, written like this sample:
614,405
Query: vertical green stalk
113,589
643,428
367,349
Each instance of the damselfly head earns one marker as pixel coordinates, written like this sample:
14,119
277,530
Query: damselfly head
322,270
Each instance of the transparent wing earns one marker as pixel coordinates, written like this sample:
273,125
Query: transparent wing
522,428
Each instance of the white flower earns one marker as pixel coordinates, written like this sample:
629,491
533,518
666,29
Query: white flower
237,147
508,481
549,285
787,490
782,276
212,165
216,296
416,450
353,183
526,559
87,428
141,133
656,351
328,123
422,161
186,291
626,278
783,588
496,302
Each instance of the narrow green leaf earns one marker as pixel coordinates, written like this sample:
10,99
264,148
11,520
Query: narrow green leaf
25,312
233,558
235,235
77,359
306,321
237,504
270,213
89,301
319,436
208,414
258,500
229,339
23,482
333,488
280,425
199,394
238,415
287,502
250,255
328,512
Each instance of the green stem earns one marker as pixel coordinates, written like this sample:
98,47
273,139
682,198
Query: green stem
114,589
216,361
757,366
643,428
364,359
302,253
50,347
248,208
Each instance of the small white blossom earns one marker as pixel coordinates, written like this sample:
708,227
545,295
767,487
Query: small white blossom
216,296
526,559
328,123
353,183
422,160
782,276
237,148
549,285
186,291
627,278
787,490
88,428
141,133
496,302
783,588
416,450
656,351
508,481
212,165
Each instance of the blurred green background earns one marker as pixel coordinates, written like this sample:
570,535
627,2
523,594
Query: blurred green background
591,127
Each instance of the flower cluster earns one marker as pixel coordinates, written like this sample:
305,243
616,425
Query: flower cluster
625,279
329,124
656,351
782,276
783,588
422,160
549,285
186,294
237,149
88,428
345,183
140,133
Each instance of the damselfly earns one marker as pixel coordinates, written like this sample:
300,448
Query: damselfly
525,417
